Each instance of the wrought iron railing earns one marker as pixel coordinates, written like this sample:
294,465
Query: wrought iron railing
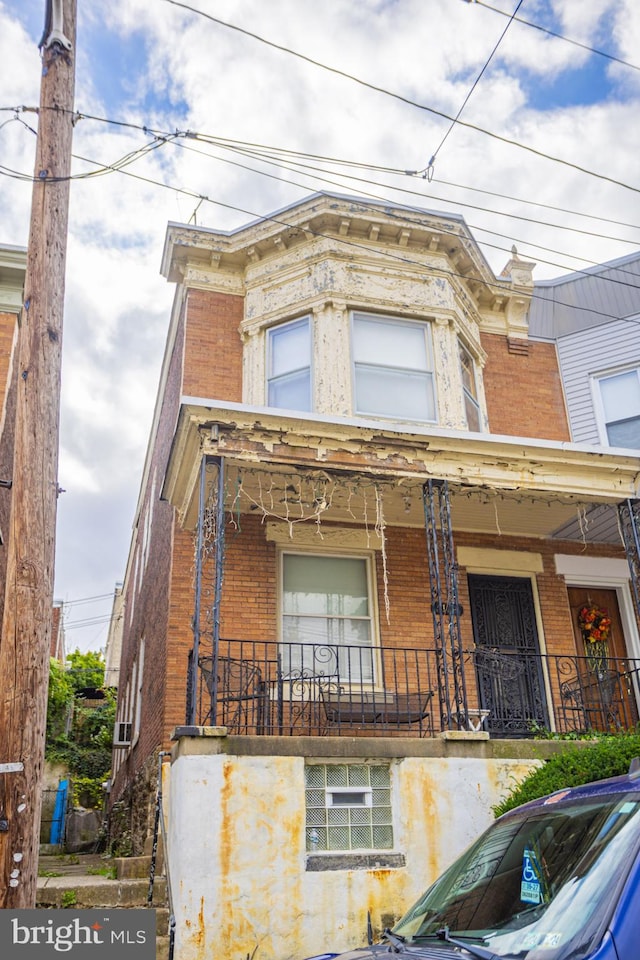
308,689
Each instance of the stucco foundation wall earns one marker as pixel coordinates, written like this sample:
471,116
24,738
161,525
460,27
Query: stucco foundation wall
237,841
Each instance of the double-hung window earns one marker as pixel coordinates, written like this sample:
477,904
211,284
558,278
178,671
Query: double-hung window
393,368
620,405
289,365
469,389
327,628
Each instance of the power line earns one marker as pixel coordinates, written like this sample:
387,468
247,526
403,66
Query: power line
428,171
403,99
177,140
82,600
351,177
558,36
166,137
402,258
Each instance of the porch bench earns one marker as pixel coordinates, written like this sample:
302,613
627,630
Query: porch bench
346,707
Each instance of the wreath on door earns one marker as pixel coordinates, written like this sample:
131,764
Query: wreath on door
595,627
595,624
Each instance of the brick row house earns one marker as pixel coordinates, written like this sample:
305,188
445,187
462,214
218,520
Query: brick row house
369,538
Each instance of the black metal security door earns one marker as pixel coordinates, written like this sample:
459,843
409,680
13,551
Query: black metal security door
507,656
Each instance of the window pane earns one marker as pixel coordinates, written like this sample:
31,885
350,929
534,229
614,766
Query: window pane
325,630
292,392
325,585
395,393
621,396
468,371
289,348
625,434
390,343
473,413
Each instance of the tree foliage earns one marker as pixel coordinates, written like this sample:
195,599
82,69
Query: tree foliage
608,756
79,732
61,694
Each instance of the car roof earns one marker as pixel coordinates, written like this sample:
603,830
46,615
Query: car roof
627,783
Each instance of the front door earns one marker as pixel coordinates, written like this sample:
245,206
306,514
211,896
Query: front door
507,656
606,678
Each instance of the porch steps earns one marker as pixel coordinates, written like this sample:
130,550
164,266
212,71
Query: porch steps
73,881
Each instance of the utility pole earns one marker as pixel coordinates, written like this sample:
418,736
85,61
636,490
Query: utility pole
27,620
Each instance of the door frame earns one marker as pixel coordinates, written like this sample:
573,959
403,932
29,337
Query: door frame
489,561
610,574
541,669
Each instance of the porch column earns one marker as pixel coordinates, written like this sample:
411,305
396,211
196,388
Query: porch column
629,514
445,606
192,678
209,540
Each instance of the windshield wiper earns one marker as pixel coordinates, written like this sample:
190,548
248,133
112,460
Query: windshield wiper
395,939
443,934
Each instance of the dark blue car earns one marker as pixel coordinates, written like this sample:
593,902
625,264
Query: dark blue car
556,879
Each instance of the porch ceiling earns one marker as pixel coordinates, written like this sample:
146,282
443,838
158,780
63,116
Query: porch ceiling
354,471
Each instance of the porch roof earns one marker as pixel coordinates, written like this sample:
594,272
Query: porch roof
511,485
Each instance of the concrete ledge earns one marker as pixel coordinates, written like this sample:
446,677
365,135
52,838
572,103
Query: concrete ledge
211,741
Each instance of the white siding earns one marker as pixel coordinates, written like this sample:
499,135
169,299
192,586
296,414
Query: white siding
591,352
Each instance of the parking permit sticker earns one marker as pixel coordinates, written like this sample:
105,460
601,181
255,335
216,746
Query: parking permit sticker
530,885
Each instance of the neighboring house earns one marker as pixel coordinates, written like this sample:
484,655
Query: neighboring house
58,645
594,316
358,566
113,649
13,263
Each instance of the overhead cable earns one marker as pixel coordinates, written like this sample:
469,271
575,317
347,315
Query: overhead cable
427,173
413,103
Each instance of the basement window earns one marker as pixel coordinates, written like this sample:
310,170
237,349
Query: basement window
348,807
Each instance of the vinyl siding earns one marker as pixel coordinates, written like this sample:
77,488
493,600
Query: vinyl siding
587,353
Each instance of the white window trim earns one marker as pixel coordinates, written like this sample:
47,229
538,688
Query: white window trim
426,325
365,792
374,619
598,407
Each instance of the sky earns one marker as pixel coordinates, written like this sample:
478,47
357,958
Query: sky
219,112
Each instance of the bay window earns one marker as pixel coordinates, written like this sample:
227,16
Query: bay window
289,365
393,368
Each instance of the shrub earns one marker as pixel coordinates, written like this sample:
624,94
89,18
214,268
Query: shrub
84,745
609,756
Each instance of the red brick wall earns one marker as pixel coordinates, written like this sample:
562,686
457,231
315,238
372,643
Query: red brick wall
207,340
213,352
250,603
523,390
149,597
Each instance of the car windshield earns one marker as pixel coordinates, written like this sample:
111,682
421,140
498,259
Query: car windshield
538,885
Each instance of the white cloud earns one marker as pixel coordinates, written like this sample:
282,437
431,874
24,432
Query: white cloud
158,65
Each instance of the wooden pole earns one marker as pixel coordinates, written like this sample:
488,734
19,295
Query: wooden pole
27,620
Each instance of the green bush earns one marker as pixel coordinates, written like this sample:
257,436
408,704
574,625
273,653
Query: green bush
60,700
84,744
609,756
